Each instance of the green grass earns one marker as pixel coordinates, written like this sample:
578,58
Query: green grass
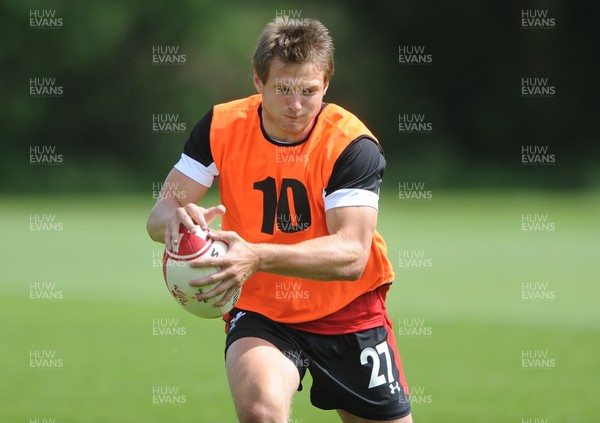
468,369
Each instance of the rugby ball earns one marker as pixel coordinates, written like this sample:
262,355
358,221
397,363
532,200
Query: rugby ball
178,273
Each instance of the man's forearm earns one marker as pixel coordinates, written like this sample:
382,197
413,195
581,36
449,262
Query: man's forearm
325,258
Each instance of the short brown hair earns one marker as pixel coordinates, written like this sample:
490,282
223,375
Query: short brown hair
294,41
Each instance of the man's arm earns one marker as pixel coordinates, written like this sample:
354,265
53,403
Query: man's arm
176,205
342,255
184,187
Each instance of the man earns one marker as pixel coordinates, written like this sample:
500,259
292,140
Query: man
299,182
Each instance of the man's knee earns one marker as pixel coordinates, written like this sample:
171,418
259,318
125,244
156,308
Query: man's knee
263,408
350,418
262,381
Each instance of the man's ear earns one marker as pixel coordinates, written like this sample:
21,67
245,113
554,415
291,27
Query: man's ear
257,83
325,86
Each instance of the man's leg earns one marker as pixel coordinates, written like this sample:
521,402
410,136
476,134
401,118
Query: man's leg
262,381
350,418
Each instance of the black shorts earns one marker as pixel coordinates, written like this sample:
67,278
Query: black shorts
357,372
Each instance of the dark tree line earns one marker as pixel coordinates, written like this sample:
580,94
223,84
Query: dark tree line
116,87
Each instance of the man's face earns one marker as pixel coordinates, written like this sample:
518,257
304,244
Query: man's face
291,99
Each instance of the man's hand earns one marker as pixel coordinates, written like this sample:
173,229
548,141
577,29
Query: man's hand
239,263
169,213
192,217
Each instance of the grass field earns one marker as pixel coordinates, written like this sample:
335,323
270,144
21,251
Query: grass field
91,353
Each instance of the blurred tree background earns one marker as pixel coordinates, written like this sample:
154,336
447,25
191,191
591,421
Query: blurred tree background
102,56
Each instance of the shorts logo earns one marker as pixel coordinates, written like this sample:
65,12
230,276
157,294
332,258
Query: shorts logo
394,388
233,321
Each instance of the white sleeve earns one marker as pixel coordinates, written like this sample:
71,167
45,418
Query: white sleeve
197,171
352,197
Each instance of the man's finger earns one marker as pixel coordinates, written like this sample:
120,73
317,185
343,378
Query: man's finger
217,290
212,213
226,297
191,217
208,262
172,233
226,236
168,237
215,278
